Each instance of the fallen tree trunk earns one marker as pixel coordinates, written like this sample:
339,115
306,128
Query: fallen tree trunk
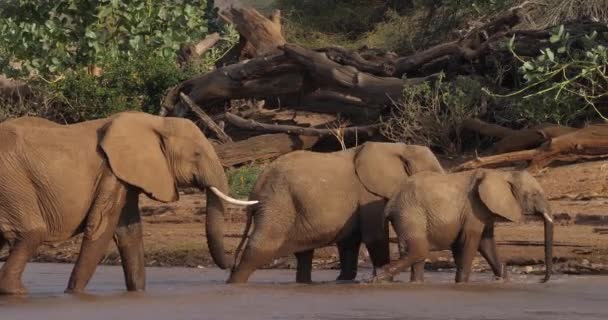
262,147
516,140
347,79
276,128
255,78
260,36
584,144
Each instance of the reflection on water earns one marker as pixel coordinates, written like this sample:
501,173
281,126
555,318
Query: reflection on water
177,293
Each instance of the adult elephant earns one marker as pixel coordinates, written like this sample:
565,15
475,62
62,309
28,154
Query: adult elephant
57,181
309,200
457,211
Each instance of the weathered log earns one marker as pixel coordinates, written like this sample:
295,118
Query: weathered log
207,121
588,143
263,34
347,79
277,128
255,78
262,147
190,52
378,67
516,140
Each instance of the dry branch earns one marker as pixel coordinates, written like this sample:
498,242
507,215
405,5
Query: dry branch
584,144
276,128
207,121
471,46
347,79
190,52
378,67
516,140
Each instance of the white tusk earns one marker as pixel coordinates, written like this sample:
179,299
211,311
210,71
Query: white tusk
547,217
230,199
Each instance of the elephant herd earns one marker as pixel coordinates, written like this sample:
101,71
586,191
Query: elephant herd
57,181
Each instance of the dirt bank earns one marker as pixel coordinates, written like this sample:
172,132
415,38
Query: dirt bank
174,233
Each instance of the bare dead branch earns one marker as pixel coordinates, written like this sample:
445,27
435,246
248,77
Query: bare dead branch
207,121
294,130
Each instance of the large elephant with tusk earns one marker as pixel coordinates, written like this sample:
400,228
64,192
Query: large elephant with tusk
60,180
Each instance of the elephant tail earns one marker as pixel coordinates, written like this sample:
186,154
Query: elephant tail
250,213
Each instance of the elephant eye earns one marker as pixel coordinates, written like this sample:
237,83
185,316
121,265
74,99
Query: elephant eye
197,154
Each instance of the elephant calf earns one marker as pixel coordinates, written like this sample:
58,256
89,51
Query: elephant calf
457,211
310,199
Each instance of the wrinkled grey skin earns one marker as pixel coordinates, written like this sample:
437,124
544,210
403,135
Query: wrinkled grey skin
309,200
60,180
457,211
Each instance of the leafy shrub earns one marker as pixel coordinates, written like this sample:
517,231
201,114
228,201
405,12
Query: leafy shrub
49,37
567,82
241,180
431,114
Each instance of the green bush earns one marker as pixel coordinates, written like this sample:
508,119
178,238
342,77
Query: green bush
135,83
241,180
566,83
46,37
53,45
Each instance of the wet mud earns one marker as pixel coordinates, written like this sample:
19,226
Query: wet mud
186,293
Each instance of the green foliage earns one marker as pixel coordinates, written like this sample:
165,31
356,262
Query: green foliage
431,114
135,83
49,37
241,180
565,80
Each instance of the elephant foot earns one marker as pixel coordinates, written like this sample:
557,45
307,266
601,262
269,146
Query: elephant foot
13,290
346,277
338,281
72,291
379,279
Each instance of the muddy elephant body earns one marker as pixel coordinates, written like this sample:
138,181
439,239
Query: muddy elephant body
309,200
57,181
457,212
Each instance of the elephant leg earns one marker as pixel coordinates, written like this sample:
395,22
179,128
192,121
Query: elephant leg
487,248
469,245
417,272
264,244
304,271
101,224
348,251
418,250
374,231
129,241
12,269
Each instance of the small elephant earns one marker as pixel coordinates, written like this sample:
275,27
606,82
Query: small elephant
60,180
310,199
457,211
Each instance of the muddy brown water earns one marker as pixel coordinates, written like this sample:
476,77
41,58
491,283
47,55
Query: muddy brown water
180,293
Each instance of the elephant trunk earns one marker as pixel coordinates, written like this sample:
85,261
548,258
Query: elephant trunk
548,246
211,176
214,228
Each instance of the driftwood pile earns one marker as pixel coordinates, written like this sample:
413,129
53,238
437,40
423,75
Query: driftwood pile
268,97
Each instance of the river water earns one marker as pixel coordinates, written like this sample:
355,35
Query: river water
180,293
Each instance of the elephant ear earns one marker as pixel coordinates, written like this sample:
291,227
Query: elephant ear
133,145
496,193
381,167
